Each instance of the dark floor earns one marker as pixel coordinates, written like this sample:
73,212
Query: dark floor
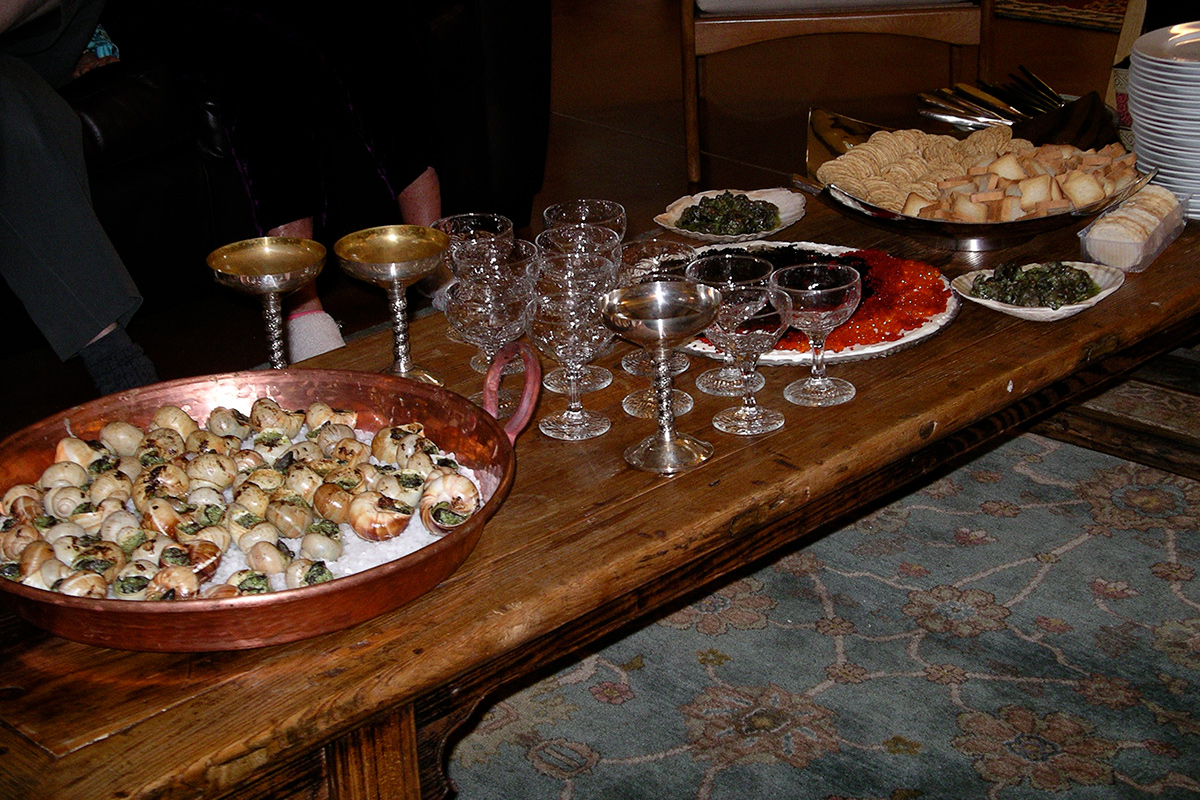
616,132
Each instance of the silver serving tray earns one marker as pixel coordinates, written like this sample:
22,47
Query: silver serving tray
969,236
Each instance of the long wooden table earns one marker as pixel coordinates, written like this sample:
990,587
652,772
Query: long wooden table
584,546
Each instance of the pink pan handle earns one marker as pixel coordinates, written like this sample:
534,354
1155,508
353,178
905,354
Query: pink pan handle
529,392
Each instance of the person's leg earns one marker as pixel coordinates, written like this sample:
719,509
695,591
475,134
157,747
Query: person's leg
53,251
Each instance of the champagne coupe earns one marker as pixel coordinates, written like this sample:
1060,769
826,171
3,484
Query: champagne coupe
470,227
660,315
395,257
588,240
642,262
581,238
269,266
823,297
751,320
726,271
605,213
489,315
492,260
566,327
651,260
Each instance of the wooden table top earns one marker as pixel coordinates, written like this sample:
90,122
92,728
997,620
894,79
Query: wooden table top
579,533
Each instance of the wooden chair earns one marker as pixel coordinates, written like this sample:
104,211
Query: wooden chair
960,23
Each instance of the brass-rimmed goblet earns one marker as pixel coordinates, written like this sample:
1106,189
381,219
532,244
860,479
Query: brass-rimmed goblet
395,257
660,315
823,297
725,271
270,267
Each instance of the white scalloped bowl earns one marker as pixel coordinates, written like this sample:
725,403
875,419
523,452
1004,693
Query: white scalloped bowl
790,204
1109,279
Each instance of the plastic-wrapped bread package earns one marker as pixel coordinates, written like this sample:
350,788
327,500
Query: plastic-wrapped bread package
1132,235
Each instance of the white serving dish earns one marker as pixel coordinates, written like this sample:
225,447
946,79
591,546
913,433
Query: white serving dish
789,203
1109,279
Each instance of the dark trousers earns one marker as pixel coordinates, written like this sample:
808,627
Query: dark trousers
53,252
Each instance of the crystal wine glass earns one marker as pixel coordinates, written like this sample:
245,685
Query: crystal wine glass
493,260
395,257
566,327
751,320
606,213
269,266
469,227
489,315
823,297
559,256
581,238
725,271
475,225
659,315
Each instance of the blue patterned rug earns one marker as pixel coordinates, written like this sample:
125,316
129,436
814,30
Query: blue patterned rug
1027,626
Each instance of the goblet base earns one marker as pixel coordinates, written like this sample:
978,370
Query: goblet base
593,379
668,456
810,392
480,363
416,373
642,404
506,402
728,382
748,421
575,426
641,363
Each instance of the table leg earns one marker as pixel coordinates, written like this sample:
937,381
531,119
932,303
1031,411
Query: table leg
377,761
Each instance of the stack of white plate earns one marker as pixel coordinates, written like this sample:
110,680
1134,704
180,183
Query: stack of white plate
1164,101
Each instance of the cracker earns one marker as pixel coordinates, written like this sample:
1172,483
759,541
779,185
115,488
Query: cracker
988,171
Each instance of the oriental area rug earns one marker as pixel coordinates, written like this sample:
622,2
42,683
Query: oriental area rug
1026,626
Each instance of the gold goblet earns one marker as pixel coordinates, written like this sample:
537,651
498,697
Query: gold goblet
395,257
269,266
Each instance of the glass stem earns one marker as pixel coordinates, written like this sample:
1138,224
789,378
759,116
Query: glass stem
399,328
574,396
273,314
816,343
665,402
748,401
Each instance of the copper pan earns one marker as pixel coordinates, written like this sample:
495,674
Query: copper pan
450,420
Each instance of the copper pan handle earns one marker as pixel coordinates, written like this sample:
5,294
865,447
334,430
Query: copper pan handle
529,392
